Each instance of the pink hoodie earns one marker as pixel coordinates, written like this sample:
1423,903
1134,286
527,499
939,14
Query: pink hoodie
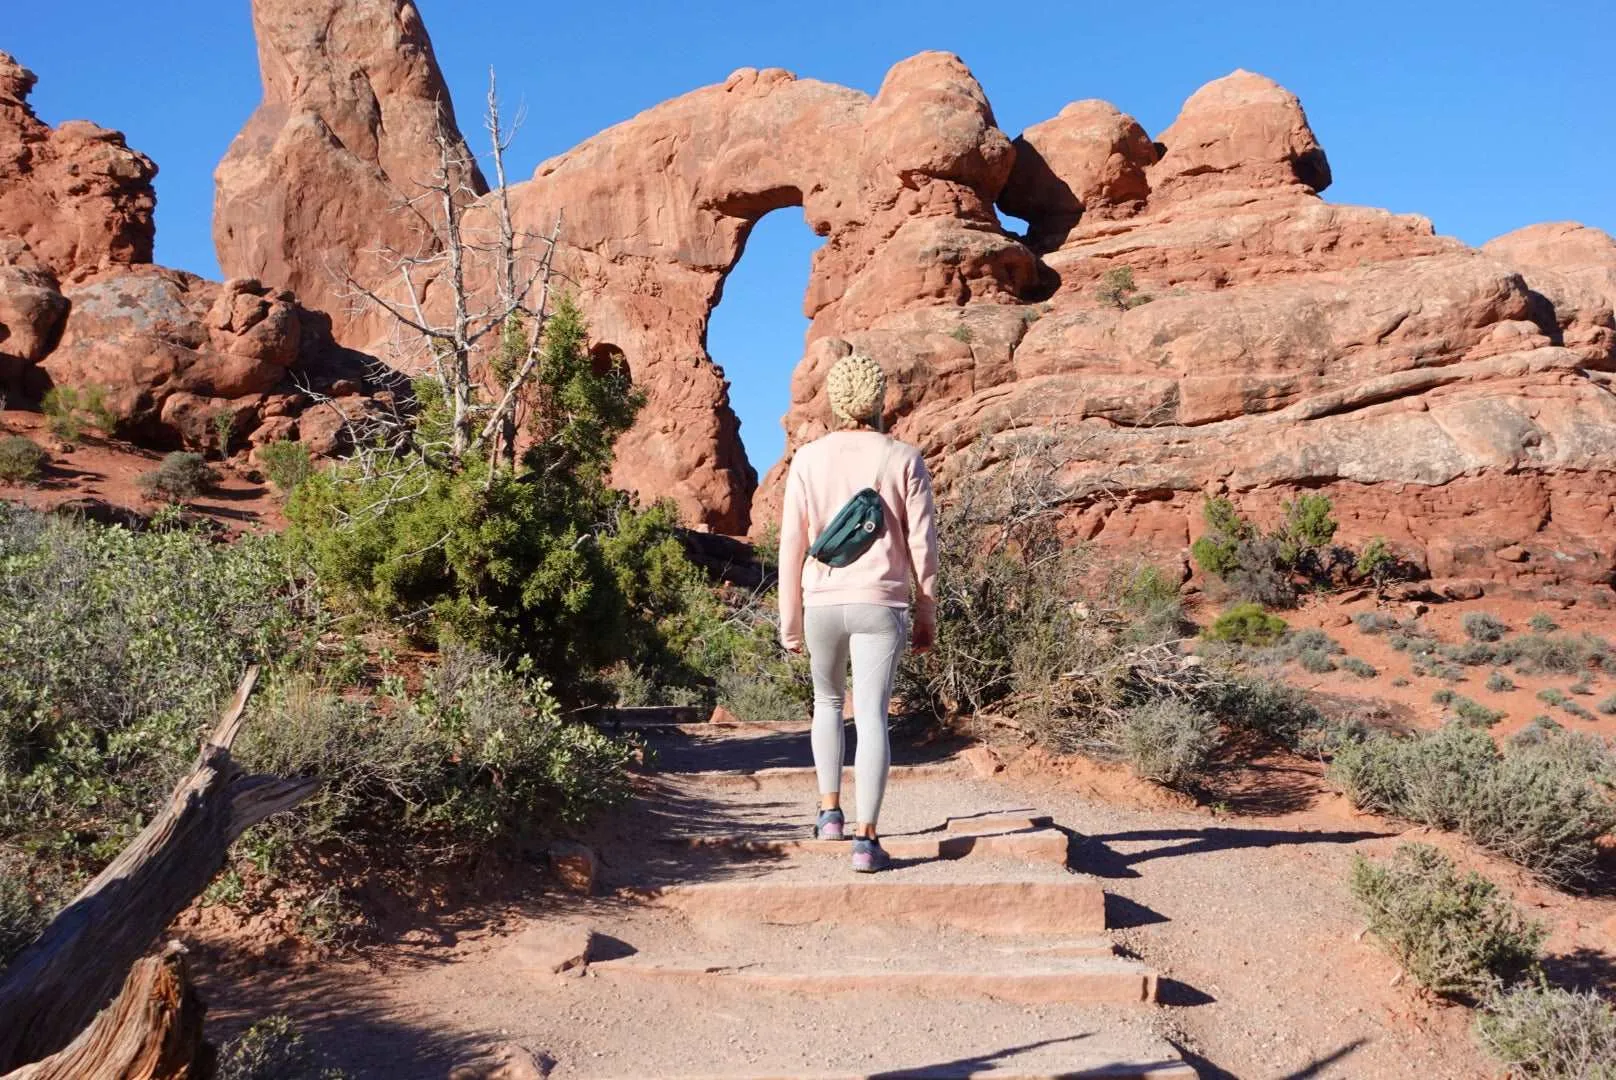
824,475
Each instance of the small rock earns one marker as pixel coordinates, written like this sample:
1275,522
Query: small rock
1353,597
1416,609
575,865
344,388
509,1062
1462,590
1340,618
722,715
1513,553
982,760
554,948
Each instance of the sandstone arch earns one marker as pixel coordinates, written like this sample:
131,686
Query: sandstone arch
1423,384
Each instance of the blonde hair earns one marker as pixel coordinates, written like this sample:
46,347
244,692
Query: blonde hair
857,388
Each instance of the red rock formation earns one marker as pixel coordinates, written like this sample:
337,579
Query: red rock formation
81,305
1457,402
73,200
314,186
170,348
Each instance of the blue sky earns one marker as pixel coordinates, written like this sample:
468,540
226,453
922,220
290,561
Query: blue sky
1482,115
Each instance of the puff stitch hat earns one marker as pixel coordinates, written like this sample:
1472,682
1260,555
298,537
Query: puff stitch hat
857,388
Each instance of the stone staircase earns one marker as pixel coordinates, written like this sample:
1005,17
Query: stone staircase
982,952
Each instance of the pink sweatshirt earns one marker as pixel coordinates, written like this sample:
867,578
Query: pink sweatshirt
824,475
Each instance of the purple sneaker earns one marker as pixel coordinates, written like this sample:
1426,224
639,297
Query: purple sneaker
831,826
868,855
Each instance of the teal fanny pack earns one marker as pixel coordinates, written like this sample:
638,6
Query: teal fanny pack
857,525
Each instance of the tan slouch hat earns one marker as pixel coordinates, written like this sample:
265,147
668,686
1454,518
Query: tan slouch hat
857,389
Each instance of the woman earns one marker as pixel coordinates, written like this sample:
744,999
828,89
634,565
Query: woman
860,610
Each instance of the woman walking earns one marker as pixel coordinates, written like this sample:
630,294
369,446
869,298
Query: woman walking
863,502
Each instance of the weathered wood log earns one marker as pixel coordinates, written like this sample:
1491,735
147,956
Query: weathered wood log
151,1031
52,989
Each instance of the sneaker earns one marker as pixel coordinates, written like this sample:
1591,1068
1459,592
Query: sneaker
868,855
831,826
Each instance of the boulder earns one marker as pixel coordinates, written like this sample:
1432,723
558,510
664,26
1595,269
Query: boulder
75,196
32,309
1090,159
315,184
147,335
1241,131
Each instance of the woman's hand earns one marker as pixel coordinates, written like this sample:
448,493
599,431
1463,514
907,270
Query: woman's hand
924,635
792,645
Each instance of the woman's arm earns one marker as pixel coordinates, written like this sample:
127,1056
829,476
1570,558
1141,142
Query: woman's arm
793,550
921,513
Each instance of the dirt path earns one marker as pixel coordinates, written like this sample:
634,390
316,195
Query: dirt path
1025,932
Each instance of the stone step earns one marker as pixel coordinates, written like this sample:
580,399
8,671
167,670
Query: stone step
1085,980
1028,844
1070,906
804,775
997,822
1165,1069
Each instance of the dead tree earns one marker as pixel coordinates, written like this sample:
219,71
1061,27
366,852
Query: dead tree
151,1031
53,988
473,301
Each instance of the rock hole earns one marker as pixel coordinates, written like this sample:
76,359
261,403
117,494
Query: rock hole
757,331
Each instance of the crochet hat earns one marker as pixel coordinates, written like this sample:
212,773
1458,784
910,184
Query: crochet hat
857,388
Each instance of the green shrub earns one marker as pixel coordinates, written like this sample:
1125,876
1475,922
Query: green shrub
1542,727
1542,623
1469,653
1550,1033
181,475
69,409
1361,668
1498,682
1577,709
22,917
1544,805
1400,681
1457,936
1376,563
1036,628
286,464
544,561
1217,551
21,460
1475,712
1448,672
1551,695
1265,707
1246,624
119,649
1168,740
1375,622
1307,528
1412,641
1481,626
1421,778
1316,661
478,753
272,1049
1608,706
1582,687
1444,697
1117,289
1558,654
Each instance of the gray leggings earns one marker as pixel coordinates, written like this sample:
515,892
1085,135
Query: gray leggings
874,636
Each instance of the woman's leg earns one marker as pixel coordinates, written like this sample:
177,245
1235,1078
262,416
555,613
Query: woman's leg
825,635
876,644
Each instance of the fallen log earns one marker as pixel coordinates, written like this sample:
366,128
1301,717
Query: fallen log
151,1031
52,989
